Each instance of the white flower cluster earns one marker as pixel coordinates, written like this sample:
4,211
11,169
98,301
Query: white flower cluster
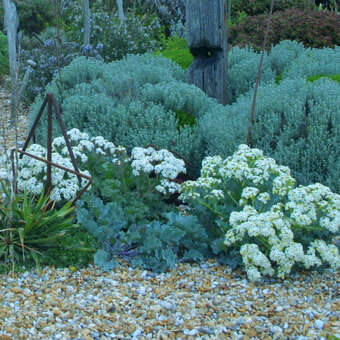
253,259
160,162
82,144
246,165
275,230
31,173
244,177
306,204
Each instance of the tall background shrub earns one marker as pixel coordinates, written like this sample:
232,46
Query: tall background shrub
312,28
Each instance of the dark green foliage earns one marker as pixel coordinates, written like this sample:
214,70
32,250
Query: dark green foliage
30,225
76,249
176,49
136,197
252,8
184,118
335,77
278,79
49,56
4,64
332,5
316,29
34,15
139,34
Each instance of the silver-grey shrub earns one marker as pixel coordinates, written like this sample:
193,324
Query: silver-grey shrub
131,102
243,65
313,62
296,122
284,53
179,96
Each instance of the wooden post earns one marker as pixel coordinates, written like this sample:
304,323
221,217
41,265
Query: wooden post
121,11
11,26
207,40
87,29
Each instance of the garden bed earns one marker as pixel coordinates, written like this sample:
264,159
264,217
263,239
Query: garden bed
197,224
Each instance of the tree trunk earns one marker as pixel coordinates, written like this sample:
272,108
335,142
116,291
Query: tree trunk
11,26
86,5
207,40
120,10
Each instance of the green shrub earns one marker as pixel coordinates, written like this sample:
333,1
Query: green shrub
4,63
184,118
335,77
30,225
296,123
34,15
176,49
236,19
75,250
312,28
139,34
252,8
333,337
129,210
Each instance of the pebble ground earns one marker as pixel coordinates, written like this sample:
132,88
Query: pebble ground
194,301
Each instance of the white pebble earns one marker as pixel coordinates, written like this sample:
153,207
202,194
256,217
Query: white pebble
167,305
190,332
319,324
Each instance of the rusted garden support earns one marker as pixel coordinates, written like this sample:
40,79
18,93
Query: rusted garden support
51,103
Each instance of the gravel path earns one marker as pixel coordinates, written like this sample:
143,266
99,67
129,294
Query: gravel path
205,301
7,132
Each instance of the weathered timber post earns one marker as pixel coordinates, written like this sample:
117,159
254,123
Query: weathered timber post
11,26
207,40
87,22
121,11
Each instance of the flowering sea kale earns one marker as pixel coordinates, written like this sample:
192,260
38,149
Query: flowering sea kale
274,224
162,163
31,173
